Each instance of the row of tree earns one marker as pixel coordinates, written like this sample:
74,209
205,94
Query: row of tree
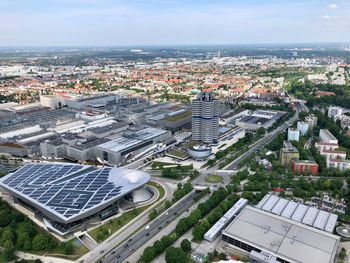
184,224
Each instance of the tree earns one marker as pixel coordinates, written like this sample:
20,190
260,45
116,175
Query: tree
39,242
261,131
21,240
342,254
8,237
148,254
68,248
153,214
175,255
9,254
159,247
5,218
186,245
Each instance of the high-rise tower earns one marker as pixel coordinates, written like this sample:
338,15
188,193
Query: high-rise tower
205,118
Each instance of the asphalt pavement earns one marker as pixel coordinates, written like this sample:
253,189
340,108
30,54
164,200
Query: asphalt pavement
124,250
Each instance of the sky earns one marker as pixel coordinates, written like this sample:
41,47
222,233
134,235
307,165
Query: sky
171,22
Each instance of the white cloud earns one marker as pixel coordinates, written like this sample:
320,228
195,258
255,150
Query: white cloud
328,17
333,6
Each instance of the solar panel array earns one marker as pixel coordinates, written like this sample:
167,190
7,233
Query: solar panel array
67,189
298,212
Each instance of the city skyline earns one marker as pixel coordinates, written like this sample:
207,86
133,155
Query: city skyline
159,22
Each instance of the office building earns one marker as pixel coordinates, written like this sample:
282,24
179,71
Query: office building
205,118
288,153
304,166
293,134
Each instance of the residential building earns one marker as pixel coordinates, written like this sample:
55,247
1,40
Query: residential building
303,127
288,153
293,134
340,164
304,166
333,154
311,120
327,137
334,111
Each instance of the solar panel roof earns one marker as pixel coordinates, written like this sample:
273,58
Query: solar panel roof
68,191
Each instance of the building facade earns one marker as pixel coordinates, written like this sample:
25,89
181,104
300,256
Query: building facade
304,166
334,111
288,153
205,118
303,127
311,120
293,134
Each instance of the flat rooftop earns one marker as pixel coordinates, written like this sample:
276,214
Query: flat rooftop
132,139
69,192
282,237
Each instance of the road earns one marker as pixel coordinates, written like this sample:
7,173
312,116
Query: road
123,233
136,241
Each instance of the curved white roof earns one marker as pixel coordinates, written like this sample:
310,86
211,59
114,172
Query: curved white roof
67,192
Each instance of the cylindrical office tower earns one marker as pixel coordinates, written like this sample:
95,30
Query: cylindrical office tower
205,118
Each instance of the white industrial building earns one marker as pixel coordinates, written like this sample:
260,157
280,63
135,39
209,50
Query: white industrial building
217,228
131,144
272,238
299,212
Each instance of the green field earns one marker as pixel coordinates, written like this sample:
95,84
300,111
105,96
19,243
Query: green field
214,179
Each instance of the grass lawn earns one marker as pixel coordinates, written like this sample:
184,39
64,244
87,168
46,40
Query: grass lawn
178,153
79,250
214,179
115,224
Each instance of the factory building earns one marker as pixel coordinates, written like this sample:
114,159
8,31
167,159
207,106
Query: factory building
131,144
259,119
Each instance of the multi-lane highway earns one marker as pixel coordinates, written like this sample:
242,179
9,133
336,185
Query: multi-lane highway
124,250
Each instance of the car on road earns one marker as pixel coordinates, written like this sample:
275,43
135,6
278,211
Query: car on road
102,251
147,227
